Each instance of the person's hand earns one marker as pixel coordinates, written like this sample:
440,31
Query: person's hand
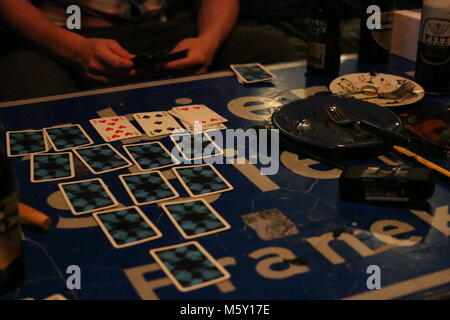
103,60
200,56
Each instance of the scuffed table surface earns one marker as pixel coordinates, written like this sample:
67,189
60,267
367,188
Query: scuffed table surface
281,224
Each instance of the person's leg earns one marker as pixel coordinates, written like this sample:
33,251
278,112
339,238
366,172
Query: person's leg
28,74
249,44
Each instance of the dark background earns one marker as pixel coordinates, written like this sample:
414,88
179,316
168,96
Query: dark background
288,17
281,16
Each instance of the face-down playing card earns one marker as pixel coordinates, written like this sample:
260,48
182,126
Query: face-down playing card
202,180
87,196
150,187
51,167
115,128
196,146
189,266
25,142
67,137
252,72
157,123
125,227
195,218
150,155
101,158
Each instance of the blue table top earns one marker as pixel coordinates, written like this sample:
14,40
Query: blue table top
324,256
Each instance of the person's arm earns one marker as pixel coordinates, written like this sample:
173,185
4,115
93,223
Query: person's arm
98,59
215,22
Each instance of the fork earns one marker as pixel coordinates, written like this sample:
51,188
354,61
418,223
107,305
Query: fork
337,116
400,92
367,90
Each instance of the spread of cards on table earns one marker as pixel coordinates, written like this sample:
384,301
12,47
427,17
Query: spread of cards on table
53,151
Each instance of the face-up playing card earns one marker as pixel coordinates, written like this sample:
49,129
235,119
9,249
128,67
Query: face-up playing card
200,113
51,167
150,156
252,73
115,128
146,188
126,227
67,137
157,123
189,266
87,196
202,180
195,218
24,142
197,127
196,146
102,158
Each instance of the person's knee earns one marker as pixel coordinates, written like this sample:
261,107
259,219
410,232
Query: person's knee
19,60
249,44
28,74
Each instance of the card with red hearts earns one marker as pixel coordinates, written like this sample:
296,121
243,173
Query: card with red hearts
115,128
201,113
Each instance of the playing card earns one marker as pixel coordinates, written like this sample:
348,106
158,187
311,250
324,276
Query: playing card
67,137
252,73
101,158
189,266
202,180
51,167
150,156
25,142
146,188
87,196
157,123
196,146
115,128
200,113
195,218
126,227
200,128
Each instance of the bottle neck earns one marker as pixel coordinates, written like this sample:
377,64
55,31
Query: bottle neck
7,179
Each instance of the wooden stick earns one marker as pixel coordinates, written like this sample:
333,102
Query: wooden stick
423,161
33,217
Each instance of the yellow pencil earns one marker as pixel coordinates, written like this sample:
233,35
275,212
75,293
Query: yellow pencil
423,161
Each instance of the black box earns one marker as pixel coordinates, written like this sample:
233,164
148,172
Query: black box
386,183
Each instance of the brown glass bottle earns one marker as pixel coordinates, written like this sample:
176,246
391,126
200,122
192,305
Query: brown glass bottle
374,45
324,51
